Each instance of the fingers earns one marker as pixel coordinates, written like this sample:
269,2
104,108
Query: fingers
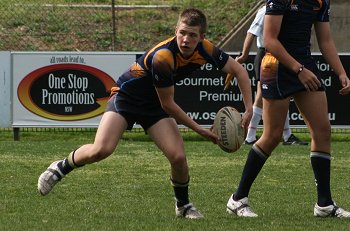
345,82
344,91
244,125
239,59
212,136
309,80
215,139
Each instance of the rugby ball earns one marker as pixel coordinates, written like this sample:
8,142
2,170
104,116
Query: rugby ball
227,125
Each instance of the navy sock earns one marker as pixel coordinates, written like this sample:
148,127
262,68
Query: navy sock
255,161
68,164
64,166
181,193
321,165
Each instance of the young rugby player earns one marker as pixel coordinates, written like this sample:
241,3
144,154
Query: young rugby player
145,94
256,31
288,70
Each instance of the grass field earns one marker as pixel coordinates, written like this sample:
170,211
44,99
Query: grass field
33,26
130,190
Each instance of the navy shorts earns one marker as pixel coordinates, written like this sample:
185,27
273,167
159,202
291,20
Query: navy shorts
131,118
279,82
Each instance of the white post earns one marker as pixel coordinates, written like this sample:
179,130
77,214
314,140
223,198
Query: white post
5,89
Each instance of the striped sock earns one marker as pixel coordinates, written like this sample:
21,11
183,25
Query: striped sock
181,192
321,165
255,161
68,164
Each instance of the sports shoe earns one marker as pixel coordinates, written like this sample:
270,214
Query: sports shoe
188,211
293,140
330,211
240,207
49,178
251,142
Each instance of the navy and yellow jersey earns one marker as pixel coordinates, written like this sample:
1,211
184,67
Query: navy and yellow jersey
298,18
278,81
161,66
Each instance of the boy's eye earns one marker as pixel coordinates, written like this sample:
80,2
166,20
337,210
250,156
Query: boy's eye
193,35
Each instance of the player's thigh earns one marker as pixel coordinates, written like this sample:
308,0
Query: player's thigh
314,109
110,130
167,137
274,114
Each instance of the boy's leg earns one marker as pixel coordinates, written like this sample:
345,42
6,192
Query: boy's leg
104,145
288,137
167,137
261,150
315,113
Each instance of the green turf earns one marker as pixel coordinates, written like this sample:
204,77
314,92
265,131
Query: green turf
33,25
130,190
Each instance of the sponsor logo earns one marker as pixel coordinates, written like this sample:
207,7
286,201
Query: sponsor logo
223,131
156,77
65,92
294,7
270,5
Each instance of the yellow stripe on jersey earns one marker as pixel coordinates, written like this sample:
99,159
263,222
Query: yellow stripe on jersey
164,56
208,46
154,48
114,91
196,57
136,70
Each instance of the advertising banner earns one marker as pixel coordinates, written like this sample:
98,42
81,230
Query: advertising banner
202,94
64,89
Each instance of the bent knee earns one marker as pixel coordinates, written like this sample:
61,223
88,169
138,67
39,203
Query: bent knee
269,142
273,139
100,153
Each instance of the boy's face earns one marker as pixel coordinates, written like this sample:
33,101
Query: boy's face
187,38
